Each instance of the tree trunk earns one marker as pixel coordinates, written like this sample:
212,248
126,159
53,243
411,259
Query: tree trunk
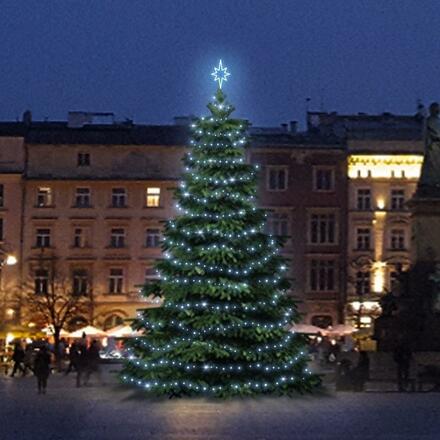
56,348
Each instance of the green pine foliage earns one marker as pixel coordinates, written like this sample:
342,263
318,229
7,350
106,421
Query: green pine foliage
222,327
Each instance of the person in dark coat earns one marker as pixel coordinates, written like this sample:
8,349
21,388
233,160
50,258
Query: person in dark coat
74,353
93,360
18,358
81,363
402,356
42,369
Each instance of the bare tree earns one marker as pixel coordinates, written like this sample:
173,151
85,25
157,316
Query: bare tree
50,297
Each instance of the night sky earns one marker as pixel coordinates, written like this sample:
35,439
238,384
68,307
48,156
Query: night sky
150,60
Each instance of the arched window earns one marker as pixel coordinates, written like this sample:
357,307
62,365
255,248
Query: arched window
112,321
322,321
76,323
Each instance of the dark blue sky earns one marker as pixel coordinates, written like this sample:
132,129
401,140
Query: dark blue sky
151,59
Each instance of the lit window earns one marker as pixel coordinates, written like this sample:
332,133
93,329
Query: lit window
323,179
322,275
80,282
363,238
276,178
362,283
153,197
152,238
117,238
41,281
116,281
397,199
44,196
322,229
82,198
83,159
397,239
278,224
112,321
119,198
42,238
363,201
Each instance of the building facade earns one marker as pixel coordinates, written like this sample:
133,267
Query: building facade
92,199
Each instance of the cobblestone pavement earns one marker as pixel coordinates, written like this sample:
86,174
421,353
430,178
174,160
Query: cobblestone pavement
110,412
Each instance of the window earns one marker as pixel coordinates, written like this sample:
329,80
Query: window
1,230
153,197
363,201
278,224
323,179
362,283
397,239
44,196
116,281
363,239
43,238
322,275
79,238
112,321
117,238
276,178
2,195
322,321
152,238
82,197
119,198
41,281
397,199
150,274
80,282
322,228
83,159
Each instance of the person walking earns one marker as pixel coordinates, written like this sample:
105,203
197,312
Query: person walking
74,353
42,369
18,358
81,363
28,359
402,356
93,361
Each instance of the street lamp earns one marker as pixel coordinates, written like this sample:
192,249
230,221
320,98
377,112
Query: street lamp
10,260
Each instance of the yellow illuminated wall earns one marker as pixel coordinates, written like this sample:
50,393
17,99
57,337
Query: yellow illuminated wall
396,166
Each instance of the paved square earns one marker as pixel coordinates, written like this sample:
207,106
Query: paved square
110,412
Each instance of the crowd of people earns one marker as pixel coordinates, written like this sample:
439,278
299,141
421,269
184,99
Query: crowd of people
40,358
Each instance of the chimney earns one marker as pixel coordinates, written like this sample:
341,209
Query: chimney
27,117
293,127
284,127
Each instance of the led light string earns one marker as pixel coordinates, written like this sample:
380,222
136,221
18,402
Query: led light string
219,367
222,307
216,233
239,213
190,385
243,271
219,283
221,328
260,349
228,181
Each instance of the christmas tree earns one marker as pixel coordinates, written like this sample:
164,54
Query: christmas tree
223,326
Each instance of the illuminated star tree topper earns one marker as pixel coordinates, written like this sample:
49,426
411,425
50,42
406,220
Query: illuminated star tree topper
220,74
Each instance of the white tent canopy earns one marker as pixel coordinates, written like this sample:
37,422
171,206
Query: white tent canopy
89,331
307,329
122,331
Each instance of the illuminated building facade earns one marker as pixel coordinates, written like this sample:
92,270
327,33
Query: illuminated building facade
95,195
384,154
